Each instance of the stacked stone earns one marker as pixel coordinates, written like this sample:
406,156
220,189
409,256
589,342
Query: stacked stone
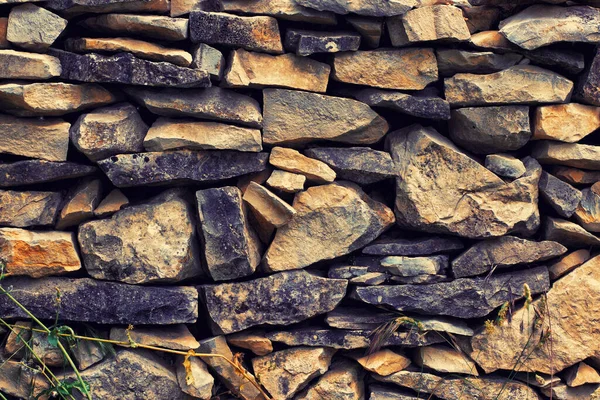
289,179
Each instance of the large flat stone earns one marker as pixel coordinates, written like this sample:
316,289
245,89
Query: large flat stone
306,42
361,7
453,61
568,234
32,208
150,26
284,9
29,172
30,137
29,66
413,247
566,122
293,161
33,28
422,105
570,154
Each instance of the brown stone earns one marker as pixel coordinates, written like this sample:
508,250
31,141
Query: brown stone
481,18
4,44
30,66
176,337
209,59
568,233
43,139
453,61
576,176
88,353
384,362
293,161
183,7
286,181
581,374
370,29
32,208
492,41
444,359
570,154
112,203
33,28
267,207
588,211
20,334
150,26
566,122
361,7
344,380
284,9
198,382
561,196
568,263
50,355
80,204
254,341
72,8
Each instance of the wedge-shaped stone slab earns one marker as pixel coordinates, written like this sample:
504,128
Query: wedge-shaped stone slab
29,172
179,166
560,391
304,42
378,392
211,103
184,7
445,359
587,83
568,234
270,211
80,204
568,262
128,69
566,122
175,337
588,211
576,176
30,137
202,382
150,26
288,182
77,7
420,105
209,59
320,210
462,298
383,362
293,161
541,25
89,300
33,28
361,7
481,18
504,252
580,374
22,209
413,247
249,69
253,340
30,66
370,29
279,299
151,242
571,154
343,380
296,117
283,9
561,196
362,165
521,84
505,165
379,68
112,203
440,189
28,100
250,33
453,61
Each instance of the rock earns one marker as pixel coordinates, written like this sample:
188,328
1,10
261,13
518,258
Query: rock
179,166
588,210
361,7
149,26
20,381
481,18
16,339
209,59
176,337
503,253
576,176
87,353
45,139
255,341
280,299
30,66
377,392
571,154
384,362
201,383
563,392
286,181
487,130
305,42
566,122
169,134
270,211
320,210
38,254
29,172
491,40
21,209
453,61
112,203
212,103
113,303
80,204
110,130
230,245
580,374
466,199
362,165
336,119
50,355
566,61
370,29
415,266
286,372
184,7
444,23
541,25
250,33
462,298
344,380
33,28
568,233
284,9
444,359
568,263
293,161
587,83
505,165
420,105
419,68
4,44
535,86
258,70
139,48
561,196
413,247
77,7
127,69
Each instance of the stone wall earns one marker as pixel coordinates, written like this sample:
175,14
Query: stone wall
367,199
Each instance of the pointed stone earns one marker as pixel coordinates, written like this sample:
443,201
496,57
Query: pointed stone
37,138
21,381
255,341
415,266
305,42
29,172
283,9
15,341
175,337
344,380
491,40
422,105
444,359
149,26
201,383
561,196
568,233
505,165
30,66
33,28
293,161
361,7
588,210
370,29
581,374
21,209
568,263
576,176
453,61
286,181
413,247
570,154
566,122
384,362
112,203
268,209
209,59
80,204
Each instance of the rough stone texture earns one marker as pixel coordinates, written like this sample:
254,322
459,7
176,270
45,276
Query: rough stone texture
568,263
420,104
80,204
587,83
175,337
33,28
286,181
284,9
184,7
566,122
293,161
570,154
279,299
45,139
201,384
414,266
505,165
304,42
561,196
343,381
481,18
209,59
77,7
87,353
452,61
21,209
30,66
269,210
361,7
255,341
413,247
568,233
444,359
150,26
581,374
370,29
588,210
377,392
112,203
384,362
576,176
29,172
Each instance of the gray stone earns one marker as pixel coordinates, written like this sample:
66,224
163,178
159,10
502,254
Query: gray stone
588,211
305,42
208,59
30,66
361,7
88,353
370,29
150,26
377,392
481,18
415,266
566,61
505,165
568,234
576,176
33,28
80,204
570,154
344,380
587,83
422,105
29,172
22,209
453,61
561,196
283,9
72,8
413,247
201,383
37,138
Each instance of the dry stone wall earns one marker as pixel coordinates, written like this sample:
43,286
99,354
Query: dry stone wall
368,200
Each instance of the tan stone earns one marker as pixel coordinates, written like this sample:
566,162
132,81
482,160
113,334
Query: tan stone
453,61
560,391
38,254
566,122
80,205
286,181
198,383
267,206
588,210
88,353
209,59
50,355
568,233
44,139
150,26
22,381
445,359
570,154
379,68
183,7
491,40
581,374
33,28
259,177
4,44
21,65
176,337
343,381
568,263
481,18
15,339
139,6
112,203
255,341
21,209
384,362
371,29
293,161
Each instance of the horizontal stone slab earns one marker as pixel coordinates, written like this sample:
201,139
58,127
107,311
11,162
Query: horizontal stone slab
28,172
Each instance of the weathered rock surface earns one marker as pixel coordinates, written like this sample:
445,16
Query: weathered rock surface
377,392
286,181
255,341
414,266
80,204
568,233
444,359
421,104
21,209
413,247
561,196
571,154
270,211
384,362
279,299
33,28
588,210
28,172
344,380
184,7
561,391
45,139
481,18
453,61
580,374
30,66
505,165
587,83
150,26
175,337
361,7
304,42
284,9
566,122
4,44
576,176
371,29
209,59
87,353
201,384
293,161
568,263
78,7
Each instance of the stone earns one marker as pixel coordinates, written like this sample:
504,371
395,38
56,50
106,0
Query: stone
169,134
258,70
369,278
179,166
588,210
422,105
503,253
139,48
561,196
570,154
361,7
20,381
209,59
184,7
286,372
28,100
4,44
481,18
200,385
284,9
492,40
377,392
541,25
21,209
384,362
212,104
336,119
108,131
250,33
88,353
280,299
255,341
17,337
415,266
587,83
568,233
73,8
362,165
113,303
44,139
419,68
576,176
112,203
269,210
453,61
175,337
125,68
370,29
150,242
568,263
413,247
286,181
566,122
521,84
462,298
33,28
580,374
50,355
230,245
344,380
505,165
561,391
38,254
29,66
565,61
293,161
444,359
320,210
466,199
149,26
487,130
80,204
306,42
28,172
